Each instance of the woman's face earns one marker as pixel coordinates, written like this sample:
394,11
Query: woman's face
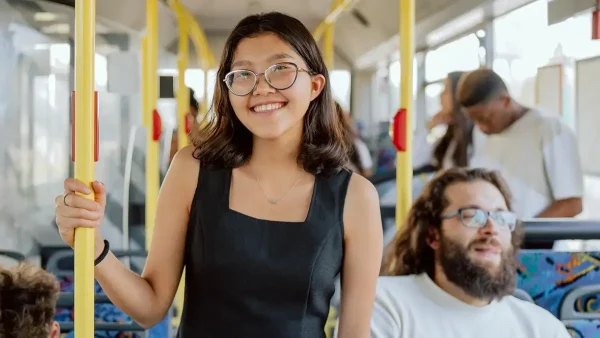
267,112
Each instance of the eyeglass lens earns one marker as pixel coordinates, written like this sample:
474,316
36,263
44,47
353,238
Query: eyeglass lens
279,76
478,218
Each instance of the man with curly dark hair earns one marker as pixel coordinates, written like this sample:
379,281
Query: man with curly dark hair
452,266
28,298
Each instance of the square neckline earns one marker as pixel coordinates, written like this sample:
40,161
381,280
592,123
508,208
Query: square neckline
311,207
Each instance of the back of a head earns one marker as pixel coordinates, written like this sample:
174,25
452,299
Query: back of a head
28,297
480,86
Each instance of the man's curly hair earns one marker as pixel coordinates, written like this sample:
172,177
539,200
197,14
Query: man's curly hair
28,298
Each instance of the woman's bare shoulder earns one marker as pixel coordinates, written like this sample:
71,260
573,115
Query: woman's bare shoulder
183,174
361,209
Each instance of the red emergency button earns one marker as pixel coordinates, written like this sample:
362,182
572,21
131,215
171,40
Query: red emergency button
399,130
156,125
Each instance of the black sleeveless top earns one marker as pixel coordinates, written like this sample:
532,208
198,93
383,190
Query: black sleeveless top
247,277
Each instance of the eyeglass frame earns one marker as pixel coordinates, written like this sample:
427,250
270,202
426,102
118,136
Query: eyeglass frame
487,213
257,75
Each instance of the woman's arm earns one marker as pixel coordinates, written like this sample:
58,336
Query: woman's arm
363,238
147,298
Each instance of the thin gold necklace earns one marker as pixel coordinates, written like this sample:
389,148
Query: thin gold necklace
274,201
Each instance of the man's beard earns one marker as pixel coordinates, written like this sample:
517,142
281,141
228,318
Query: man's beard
474,278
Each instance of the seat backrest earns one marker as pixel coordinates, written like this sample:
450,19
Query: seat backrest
565,283
10,258
523,295
583,328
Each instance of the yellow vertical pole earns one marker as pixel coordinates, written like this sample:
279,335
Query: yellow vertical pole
328,41
84,144
145,92
152,167
183,94
204,104
404,159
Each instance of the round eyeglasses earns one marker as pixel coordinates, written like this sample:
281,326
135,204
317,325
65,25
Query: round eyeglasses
279,76
477,218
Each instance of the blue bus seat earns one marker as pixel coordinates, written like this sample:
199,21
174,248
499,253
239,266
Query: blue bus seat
549,277
583,328
523,295
565,283
108,313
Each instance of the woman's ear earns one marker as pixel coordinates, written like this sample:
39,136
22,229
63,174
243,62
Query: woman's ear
317,84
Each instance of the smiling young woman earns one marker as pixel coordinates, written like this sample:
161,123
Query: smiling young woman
260,209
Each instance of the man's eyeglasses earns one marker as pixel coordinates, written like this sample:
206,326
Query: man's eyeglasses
477,218
280,76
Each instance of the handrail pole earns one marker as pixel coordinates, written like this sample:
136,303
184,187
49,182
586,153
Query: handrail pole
152,165
404,158
126,191
84,155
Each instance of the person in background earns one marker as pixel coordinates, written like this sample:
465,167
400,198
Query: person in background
536,153
191,117
28,297
361,161
456,146
452,267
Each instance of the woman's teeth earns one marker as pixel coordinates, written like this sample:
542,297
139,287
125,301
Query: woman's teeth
267,107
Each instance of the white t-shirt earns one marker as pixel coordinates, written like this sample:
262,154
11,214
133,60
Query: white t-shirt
415,307
537,156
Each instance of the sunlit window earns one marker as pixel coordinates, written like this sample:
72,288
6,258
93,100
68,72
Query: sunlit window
194,78
101,72
459,55
432,98
574,37
340,86
517,59
60,56
394,80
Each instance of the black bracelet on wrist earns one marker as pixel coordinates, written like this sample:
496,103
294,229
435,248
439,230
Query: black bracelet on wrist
103,254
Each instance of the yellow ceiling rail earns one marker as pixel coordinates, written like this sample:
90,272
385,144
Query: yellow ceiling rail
196,34
333,16
328,39
205,56
199,40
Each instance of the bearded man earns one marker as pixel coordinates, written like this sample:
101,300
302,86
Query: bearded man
452,268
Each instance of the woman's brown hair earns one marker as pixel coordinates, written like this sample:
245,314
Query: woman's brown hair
222,141
409,252
460,130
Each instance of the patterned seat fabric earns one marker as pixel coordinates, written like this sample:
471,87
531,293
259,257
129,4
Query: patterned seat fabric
565,283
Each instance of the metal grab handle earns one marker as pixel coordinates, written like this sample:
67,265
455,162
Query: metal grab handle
550,230
164,165
17,256
126,185
66,327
